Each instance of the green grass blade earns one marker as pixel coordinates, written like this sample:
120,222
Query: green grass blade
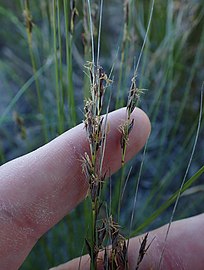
70,87
23,89
169,202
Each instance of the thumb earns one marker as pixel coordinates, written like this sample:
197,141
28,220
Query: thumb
183,250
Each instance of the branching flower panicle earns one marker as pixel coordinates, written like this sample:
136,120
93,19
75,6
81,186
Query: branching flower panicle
133,97
92,164
118,259
143,250
96,132
93,122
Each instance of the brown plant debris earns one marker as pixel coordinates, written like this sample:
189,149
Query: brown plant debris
143,250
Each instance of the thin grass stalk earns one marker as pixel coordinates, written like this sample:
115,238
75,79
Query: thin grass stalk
126,182
171,174
99,33
126,7
70,231
168,40
44,8
182,156
167,203
145,38
154,110
133,99
92,165
87,46
61,87
2,155
23,89
92,38
118,193
143,246
160,96
29,27
58,94
170,79
69,43
94,199
187,90
144,64
80,259
136,192
185,175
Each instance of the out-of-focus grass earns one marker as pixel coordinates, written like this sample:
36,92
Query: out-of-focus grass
171,70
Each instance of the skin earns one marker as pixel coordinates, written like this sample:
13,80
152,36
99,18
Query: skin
183,249
37,190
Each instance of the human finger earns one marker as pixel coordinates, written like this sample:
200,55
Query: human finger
183,249
39,189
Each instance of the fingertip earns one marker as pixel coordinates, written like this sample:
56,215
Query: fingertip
141,130
143,118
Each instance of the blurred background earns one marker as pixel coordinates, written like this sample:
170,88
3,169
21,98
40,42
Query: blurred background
44,46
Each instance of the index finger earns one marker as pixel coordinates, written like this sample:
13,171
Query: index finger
40,188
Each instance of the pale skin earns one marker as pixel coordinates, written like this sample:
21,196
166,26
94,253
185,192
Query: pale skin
37,190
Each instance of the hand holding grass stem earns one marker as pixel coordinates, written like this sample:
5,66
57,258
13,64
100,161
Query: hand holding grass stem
94,128
37,183
93,124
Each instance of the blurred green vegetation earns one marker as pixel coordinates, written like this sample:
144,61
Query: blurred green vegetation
43,85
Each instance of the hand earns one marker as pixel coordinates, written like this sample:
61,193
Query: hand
37,190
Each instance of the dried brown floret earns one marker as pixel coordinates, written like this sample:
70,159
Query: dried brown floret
134,96
87,166
28,20
143,250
